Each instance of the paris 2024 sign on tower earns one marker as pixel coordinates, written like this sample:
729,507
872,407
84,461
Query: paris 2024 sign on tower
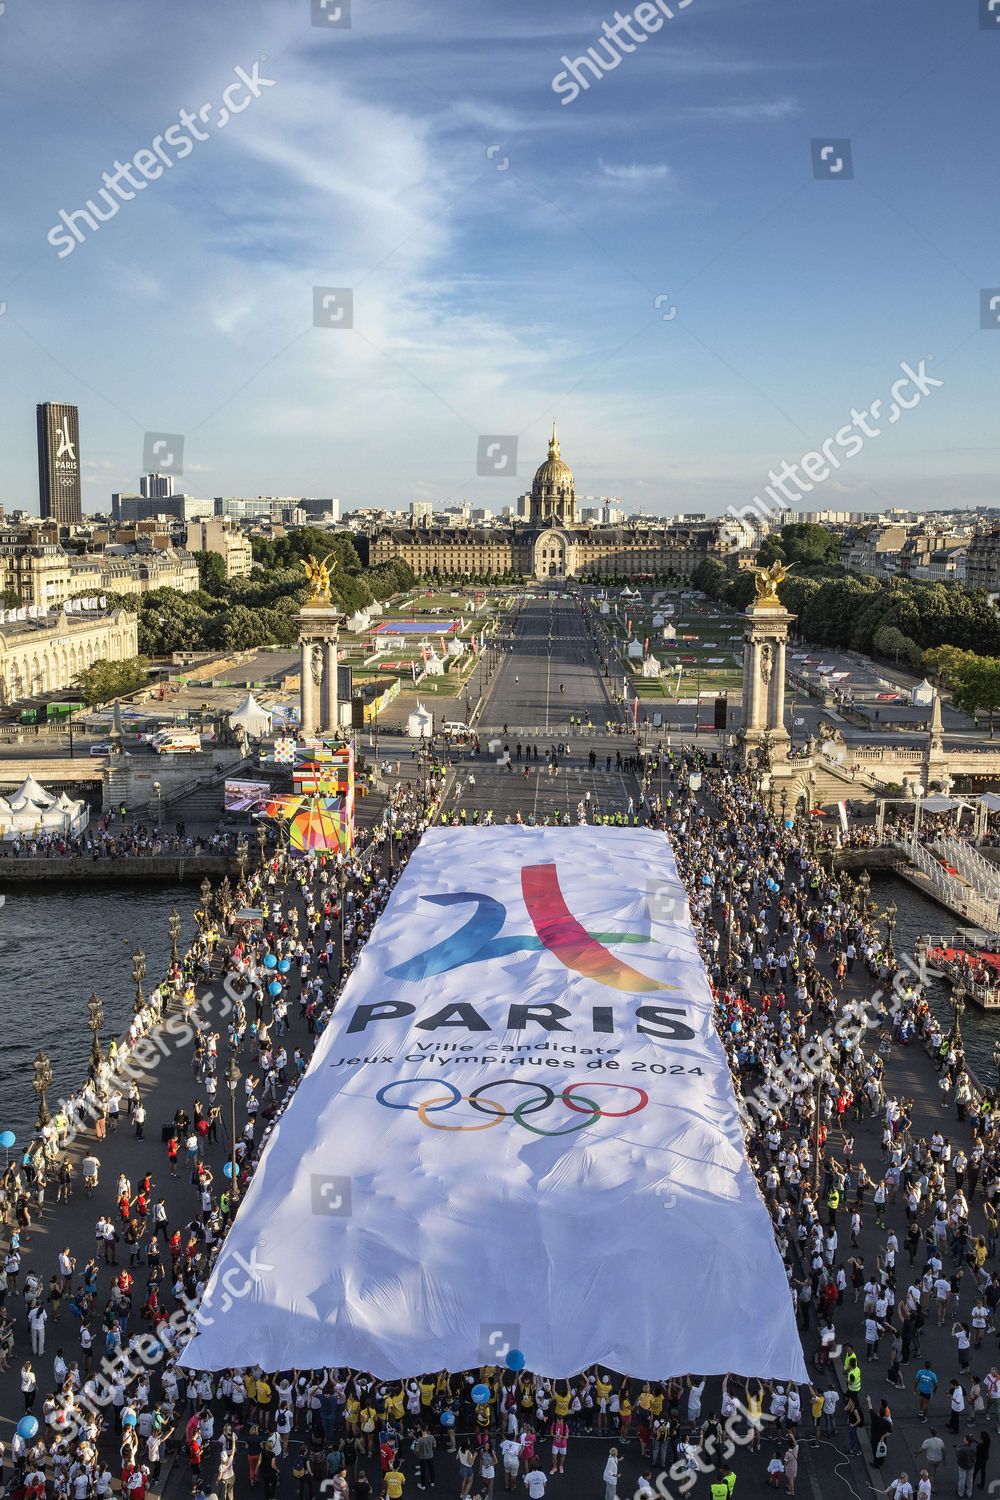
519,1130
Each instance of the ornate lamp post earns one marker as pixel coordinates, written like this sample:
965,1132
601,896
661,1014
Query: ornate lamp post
138,975
224,898
242,855
95,1020
890,925
206,902
40,1081
958,995
174,929
261,840
233,1076
784,804
865,885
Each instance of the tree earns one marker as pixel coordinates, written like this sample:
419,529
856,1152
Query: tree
890,641
977,686
803,543
106,680
211,572
945,662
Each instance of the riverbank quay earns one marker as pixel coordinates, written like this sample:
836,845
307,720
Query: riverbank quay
118,868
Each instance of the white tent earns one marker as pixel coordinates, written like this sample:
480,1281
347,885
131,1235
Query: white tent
634,651
657,621
30,795
989,800
651,667
922,694
434,666
359,622
420,723
31,810
455,646
669,633
249,716
605,607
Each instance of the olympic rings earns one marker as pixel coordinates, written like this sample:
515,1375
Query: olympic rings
480,1100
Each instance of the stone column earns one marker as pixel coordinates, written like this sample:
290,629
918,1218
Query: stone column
307,690
328,712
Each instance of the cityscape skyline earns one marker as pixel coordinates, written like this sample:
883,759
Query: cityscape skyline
377,247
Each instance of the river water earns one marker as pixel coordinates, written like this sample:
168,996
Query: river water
916,916
57,946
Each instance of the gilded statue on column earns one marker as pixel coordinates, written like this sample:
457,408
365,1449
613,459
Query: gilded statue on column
318,576
766,583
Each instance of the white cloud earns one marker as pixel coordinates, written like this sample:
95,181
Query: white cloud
636,174
762,112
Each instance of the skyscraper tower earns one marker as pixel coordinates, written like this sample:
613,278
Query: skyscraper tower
59,496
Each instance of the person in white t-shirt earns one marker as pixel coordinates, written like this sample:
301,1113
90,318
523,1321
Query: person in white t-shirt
535,1482
610,1476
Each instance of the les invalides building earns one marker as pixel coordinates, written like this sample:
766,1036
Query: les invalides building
550,543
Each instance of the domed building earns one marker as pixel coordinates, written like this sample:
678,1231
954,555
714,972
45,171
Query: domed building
549,542
553,492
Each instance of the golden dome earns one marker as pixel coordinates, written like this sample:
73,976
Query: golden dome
553,474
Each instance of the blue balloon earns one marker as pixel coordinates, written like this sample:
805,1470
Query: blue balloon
154,1350
736,1027
129,1419
27,1427
270,962
284,966
480,1394
227,1169
706,880
515,1360
447,1419
274,988
7,1139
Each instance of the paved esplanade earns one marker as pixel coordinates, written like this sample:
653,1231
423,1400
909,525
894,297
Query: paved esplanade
522,704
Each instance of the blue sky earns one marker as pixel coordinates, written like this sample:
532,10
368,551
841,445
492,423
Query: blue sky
497,289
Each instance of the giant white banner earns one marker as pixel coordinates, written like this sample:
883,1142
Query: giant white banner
518,1131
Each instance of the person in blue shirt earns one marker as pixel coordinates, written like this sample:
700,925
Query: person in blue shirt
925,1384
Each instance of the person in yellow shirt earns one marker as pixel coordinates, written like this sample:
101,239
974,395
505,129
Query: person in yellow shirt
394,1482
427,1388
395,1406
262,1396
368,1421
561,1398
625,1413
352,1407
602,1396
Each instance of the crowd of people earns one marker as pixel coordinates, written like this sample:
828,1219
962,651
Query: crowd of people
887,1249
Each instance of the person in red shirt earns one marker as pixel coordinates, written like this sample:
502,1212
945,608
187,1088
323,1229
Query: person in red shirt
386,1454
172,1151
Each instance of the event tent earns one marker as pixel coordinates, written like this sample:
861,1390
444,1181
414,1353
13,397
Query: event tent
249,716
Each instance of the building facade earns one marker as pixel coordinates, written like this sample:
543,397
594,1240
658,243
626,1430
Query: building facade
223,538
36,572
548,542
44,657
59,493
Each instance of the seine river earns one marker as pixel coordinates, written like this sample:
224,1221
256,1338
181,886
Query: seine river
59,945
